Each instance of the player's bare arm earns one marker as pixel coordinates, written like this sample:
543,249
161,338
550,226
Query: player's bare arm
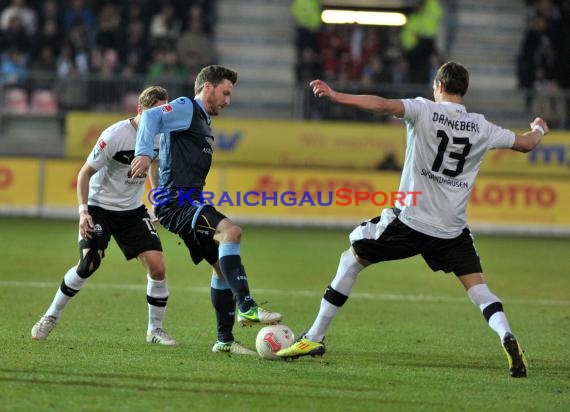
375,104
153,175
140,165
85,220
527,141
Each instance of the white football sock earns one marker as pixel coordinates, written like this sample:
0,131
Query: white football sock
156,289
499,323
482,297
343,282
326,314
348,269
60,300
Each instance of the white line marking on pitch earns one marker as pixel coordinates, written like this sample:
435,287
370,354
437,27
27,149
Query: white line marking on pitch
309,293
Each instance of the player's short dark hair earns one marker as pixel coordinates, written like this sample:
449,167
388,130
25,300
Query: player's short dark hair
454,77
151,95
214,74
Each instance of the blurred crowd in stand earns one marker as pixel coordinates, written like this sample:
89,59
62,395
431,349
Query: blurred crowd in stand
359,57
543,64
102,52
139,41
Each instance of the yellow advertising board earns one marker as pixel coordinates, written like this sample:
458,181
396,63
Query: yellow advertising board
60,183
82,129
301,195
341,145
269,142
330,196
307,143
292,195
520,201
550,158
19,183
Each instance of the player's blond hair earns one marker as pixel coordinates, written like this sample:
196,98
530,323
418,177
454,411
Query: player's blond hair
151,95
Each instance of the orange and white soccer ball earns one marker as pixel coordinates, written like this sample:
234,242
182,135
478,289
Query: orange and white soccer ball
273,338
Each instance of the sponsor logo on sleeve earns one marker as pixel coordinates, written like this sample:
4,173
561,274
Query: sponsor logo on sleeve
101,144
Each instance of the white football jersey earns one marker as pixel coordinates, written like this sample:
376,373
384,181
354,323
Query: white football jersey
444,149
112,187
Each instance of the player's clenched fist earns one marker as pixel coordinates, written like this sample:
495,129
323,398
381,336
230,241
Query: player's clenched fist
320,89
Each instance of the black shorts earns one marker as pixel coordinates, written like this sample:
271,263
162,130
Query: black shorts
387,238
132,229
196,225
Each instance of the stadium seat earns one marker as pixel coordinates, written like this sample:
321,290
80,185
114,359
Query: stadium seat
44,102
15,101
130,102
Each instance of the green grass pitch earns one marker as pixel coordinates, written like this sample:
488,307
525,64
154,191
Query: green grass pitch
408,339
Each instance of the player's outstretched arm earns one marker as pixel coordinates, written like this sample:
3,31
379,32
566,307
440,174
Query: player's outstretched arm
369,103
527,141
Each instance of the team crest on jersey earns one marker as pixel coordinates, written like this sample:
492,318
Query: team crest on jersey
181,100
167,108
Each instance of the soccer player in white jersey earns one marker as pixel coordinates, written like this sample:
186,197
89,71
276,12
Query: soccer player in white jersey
110,204
445,146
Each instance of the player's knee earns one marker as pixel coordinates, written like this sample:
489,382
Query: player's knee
157,271
232,234
358,259
89,263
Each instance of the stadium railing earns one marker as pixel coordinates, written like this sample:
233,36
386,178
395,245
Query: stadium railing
43,93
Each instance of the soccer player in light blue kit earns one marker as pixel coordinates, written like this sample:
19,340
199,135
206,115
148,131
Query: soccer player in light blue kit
445,147
186,149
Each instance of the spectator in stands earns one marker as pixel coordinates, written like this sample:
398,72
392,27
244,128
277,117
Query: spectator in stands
195,48
15,36
374,72
167,71
49,12
539,61
401,72
49,27
135,48
64,61
548,98
307,16
329,64
106,86
78,14
48,36
165,26
13,68
109,27
42,68
27,15
309,67
418,38
526,61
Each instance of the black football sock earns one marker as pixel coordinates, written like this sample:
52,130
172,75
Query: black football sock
234,273
225,308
